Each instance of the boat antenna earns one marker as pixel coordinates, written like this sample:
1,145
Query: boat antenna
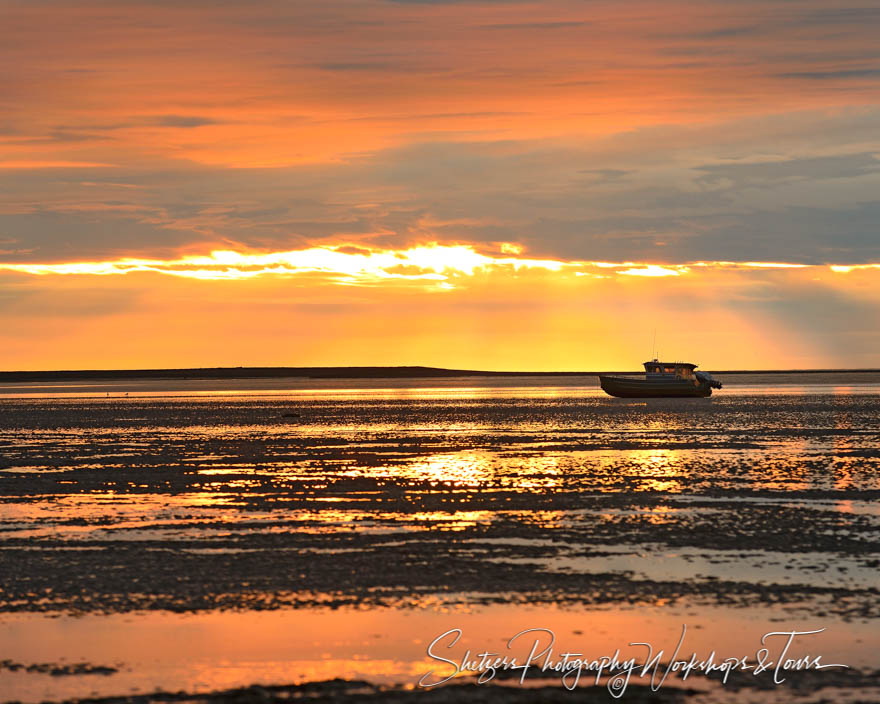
654,345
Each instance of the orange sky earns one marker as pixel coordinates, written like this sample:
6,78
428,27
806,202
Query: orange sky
325,143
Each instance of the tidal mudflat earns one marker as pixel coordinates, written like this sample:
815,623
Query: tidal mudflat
275,541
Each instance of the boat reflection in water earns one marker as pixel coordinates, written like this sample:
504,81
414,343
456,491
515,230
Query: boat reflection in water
662,380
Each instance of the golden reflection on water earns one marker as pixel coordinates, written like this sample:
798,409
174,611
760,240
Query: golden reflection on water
454,520
216,650
541,472
659,515
791,475
657,469
470,468
843,444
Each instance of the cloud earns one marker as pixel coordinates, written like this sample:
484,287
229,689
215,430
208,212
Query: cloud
607,174
753,173
853,16
580,144
347,66
183,121
30,165
106,227
456,2
723,32
535,25
732,31
832,75
654,197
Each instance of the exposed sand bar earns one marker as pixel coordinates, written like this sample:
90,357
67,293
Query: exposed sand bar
333,511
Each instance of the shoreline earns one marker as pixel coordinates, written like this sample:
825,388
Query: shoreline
403,372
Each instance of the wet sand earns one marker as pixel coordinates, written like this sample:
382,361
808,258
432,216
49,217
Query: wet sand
413,508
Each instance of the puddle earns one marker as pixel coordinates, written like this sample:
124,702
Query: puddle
219,650
760,567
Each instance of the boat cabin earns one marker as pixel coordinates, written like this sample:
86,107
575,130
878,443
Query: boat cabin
669,370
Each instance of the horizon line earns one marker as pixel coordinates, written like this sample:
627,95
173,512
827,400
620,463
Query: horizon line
344,371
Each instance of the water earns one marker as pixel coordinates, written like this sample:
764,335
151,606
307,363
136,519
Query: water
430,387
294,531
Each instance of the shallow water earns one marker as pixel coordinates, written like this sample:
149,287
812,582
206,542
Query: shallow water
297,518
214,650
426,388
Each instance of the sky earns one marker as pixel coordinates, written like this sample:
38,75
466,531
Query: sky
496,185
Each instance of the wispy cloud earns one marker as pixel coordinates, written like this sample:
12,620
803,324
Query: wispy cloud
832,75
519,26
183,121
35,164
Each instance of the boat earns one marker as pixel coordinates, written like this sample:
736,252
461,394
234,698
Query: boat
662,380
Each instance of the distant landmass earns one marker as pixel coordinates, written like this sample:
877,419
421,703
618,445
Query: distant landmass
333,373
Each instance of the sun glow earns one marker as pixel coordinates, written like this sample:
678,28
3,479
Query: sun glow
431,263
653,270
842,269
434,265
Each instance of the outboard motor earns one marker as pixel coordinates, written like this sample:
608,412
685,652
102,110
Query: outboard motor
706,378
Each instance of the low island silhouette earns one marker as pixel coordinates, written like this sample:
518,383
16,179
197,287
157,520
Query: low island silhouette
397,372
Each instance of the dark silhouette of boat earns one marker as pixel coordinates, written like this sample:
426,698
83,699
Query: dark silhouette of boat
662,380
